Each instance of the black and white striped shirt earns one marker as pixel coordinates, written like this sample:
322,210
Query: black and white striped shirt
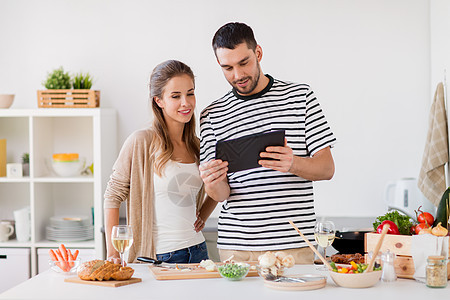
255,216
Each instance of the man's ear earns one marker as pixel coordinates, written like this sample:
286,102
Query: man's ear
159,102
258,52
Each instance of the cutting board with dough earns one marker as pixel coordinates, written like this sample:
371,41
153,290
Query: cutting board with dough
197,273
107,283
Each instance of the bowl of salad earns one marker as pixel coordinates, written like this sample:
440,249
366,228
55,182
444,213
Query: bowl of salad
234,270
355,275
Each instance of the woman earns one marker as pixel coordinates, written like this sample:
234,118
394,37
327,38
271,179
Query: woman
157,175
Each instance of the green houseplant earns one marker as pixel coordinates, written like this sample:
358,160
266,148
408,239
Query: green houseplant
82,81
65,91
58,80
26,164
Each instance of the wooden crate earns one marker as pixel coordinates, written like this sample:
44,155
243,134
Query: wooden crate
401,246
68,98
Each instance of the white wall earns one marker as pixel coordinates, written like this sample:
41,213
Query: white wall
367,60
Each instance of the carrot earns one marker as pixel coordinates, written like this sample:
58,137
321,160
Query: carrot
71,259
63,263
75,254
52,255
63,250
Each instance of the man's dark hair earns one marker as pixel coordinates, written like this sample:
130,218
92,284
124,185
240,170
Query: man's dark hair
232,34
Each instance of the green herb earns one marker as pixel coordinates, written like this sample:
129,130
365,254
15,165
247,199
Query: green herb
58,79
403,222
26,158
82,81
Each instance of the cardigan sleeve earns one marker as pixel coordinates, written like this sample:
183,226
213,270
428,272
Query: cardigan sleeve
118,187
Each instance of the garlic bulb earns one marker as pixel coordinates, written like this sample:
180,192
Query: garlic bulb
267,260
288,261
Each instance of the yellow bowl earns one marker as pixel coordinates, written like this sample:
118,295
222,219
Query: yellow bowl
359,280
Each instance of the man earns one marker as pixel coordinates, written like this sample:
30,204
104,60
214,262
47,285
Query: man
258,203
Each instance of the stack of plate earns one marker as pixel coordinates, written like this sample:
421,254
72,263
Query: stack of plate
70,229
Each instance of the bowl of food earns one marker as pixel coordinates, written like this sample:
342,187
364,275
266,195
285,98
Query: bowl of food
67,164
234,270
355,275
66,267
6,100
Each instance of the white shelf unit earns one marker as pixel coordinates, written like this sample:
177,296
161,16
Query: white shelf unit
91,132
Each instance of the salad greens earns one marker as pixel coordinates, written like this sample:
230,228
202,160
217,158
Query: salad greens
404,223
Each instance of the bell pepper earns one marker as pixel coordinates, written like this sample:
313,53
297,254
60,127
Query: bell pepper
393,228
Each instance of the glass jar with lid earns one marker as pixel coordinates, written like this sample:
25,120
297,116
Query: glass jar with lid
436,271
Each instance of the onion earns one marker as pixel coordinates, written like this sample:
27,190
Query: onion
439,230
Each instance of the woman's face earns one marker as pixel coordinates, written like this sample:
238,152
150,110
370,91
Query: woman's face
178,100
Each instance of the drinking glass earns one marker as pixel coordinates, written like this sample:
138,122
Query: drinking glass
324,233
122,239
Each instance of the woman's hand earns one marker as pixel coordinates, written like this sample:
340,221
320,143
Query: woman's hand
199,223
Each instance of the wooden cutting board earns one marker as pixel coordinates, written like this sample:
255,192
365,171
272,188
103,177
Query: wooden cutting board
197,273
107,283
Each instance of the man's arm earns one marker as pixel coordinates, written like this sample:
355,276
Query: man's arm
318,167
212,171
214,175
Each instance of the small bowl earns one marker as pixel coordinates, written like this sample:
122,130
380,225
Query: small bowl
69,268
359,280
6,100
234,271
67,168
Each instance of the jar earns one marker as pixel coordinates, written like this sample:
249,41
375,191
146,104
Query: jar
436,271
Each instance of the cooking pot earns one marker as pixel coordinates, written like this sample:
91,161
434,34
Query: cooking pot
349,242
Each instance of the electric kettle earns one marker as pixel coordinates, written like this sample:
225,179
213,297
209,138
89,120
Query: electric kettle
404,196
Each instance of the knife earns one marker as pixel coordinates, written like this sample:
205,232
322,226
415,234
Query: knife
161,264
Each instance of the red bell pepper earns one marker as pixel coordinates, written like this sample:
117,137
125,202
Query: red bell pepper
393,229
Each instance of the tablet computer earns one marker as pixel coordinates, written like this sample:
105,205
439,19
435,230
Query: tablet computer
243,153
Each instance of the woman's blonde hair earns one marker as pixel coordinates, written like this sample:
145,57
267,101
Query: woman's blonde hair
161,148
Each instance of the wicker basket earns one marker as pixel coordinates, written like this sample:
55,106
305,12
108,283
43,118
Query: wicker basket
68,98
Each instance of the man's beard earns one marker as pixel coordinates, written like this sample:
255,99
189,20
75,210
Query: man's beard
253,83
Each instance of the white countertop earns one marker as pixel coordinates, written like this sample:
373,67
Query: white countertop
50,285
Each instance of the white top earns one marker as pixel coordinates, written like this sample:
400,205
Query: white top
50,285
262,201
175,207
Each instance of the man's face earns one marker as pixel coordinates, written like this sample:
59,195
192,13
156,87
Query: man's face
241,67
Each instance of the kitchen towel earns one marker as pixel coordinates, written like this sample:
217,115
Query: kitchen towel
432,173
423,246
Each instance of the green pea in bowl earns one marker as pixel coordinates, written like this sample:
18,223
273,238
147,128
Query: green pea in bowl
234,271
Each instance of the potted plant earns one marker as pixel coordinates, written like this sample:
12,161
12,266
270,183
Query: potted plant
58,80
26,164
82,81
59,91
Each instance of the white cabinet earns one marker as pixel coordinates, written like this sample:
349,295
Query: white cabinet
91,132
14,266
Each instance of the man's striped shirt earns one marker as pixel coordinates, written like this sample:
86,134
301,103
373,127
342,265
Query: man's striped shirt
255,216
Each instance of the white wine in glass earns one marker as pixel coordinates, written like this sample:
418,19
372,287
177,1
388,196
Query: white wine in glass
324,234
122,239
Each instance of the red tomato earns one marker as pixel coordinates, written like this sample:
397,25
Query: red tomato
421,226
425,217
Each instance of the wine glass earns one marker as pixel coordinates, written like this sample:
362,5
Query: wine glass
122,239
324,233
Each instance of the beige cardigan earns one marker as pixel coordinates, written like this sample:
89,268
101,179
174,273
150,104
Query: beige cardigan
132,181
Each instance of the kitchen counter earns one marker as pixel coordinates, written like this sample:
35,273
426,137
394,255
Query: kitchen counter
50,285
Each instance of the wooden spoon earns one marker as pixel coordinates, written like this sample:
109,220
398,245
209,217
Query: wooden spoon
312,247
377,248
